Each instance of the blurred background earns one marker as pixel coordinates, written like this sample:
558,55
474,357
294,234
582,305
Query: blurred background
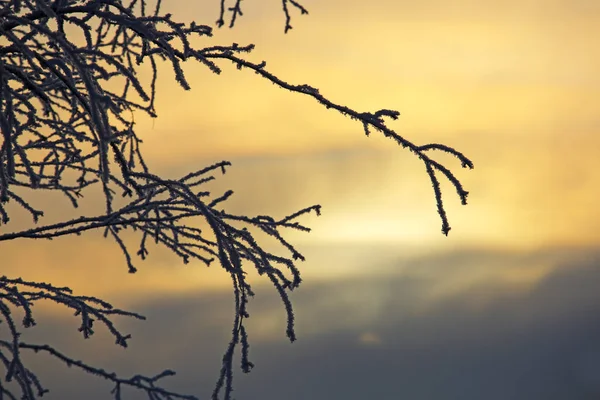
506,307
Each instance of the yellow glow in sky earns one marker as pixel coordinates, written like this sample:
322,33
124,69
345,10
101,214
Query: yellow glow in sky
511,84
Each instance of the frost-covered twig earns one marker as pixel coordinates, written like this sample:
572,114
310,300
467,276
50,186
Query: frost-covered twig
67,106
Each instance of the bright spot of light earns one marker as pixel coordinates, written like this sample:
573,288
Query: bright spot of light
369,338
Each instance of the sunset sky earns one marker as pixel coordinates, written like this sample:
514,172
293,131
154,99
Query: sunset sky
506,307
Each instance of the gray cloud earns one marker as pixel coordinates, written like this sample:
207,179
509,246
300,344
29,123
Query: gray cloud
536,343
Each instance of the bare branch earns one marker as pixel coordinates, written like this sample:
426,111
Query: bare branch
63,130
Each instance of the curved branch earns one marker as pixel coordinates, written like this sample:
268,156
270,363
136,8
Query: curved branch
369,120
86,130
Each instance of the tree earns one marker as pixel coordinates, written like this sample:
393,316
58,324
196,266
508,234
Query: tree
65,128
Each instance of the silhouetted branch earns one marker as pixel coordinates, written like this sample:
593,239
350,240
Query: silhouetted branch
369,120
22,295
63,129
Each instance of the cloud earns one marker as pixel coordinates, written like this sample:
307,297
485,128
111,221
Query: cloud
369,336
521,198
512,85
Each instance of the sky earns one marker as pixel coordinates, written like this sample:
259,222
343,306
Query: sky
506,306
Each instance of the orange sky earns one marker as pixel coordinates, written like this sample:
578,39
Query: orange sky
513,85
508,300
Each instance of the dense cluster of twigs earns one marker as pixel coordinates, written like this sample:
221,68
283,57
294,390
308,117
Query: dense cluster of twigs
65,128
